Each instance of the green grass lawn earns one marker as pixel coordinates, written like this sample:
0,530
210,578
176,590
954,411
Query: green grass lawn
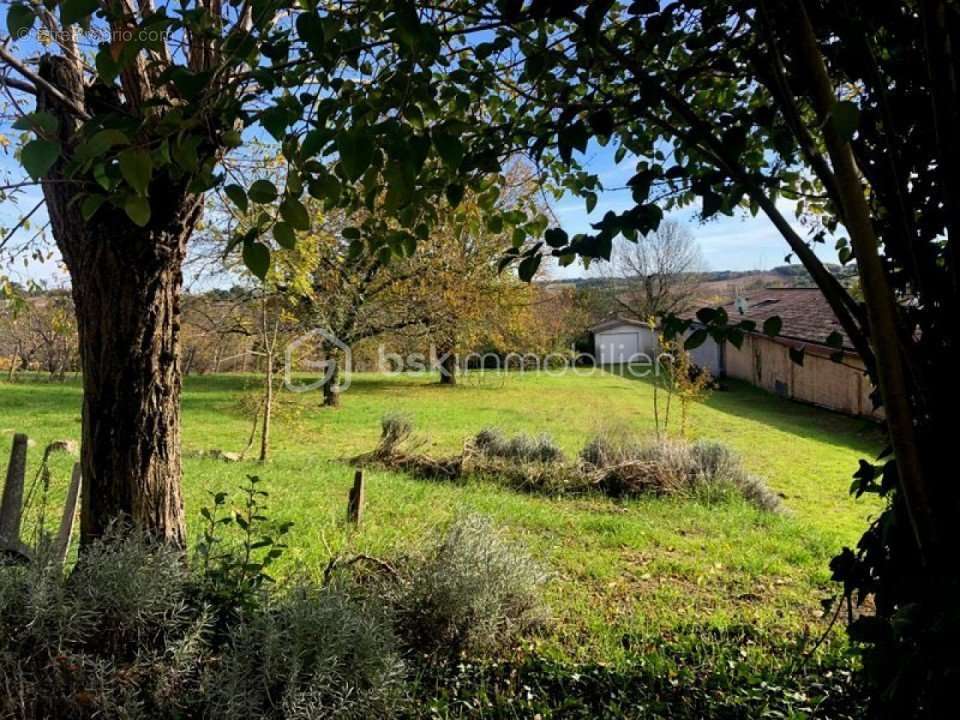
641,568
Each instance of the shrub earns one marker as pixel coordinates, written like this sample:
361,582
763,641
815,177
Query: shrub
119,637
313,652
135,632
520,448
704,469
395,429
756,491
609,449
473,592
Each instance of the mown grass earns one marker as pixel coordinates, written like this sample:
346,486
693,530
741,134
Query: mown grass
622,571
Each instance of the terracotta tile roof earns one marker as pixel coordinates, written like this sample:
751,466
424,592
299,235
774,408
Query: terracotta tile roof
805,313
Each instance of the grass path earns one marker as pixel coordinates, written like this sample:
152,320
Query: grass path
638,568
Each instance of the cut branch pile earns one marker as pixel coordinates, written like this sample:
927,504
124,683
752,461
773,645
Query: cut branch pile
619,469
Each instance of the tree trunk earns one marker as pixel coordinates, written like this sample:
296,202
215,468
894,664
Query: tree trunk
331,388
448,368
267,410
128,318
126,282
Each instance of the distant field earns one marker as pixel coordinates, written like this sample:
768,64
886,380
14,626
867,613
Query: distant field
621,569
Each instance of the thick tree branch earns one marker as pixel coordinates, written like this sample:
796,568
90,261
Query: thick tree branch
880,301
40,83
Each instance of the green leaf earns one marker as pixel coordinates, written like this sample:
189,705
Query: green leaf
454,194
293,211
237,196
73,11
136,167
602,122
591,198
42,123
99,143
38,156
695,339
313,143
186,152
495,224
556,237
284,235
355,249
351,233
256,256
449,148
103,178
90,205
772,325
356,153
107,68
263,192
707,315
528,267
310,30
20,19
845,118
232,138
137,208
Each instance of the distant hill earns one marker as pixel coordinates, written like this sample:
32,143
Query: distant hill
721,284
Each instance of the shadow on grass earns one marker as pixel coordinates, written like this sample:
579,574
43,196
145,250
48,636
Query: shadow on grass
743,400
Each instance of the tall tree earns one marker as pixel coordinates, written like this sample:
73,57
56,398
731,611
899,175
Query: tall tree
348,292
129,136
656,275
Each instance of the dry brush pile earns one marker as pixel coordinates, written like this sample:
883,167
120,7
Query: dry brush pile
617,466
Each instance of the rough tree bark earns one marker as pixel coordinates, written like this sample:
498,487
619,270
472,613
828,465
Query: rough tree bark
126,283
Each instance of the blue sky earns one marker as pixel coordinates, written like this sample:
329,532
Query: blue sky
741,242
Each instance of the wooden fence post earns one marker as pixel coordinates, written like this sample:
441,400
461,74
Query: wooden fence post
69,514
356,499
11,507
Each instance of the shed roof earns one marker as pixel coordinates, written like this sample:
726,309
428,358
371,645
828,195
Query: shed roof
805,313
614,322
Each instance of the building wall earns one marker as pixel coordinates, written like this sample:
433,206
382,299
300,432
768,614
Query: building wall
623,341
709,355
820,381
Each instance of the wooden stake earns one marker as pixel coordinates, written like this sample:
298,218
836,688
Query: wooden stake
69,513
356,499
11,507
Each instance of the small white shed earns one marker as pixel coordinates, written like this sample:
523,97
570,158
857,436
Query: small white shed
620,340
